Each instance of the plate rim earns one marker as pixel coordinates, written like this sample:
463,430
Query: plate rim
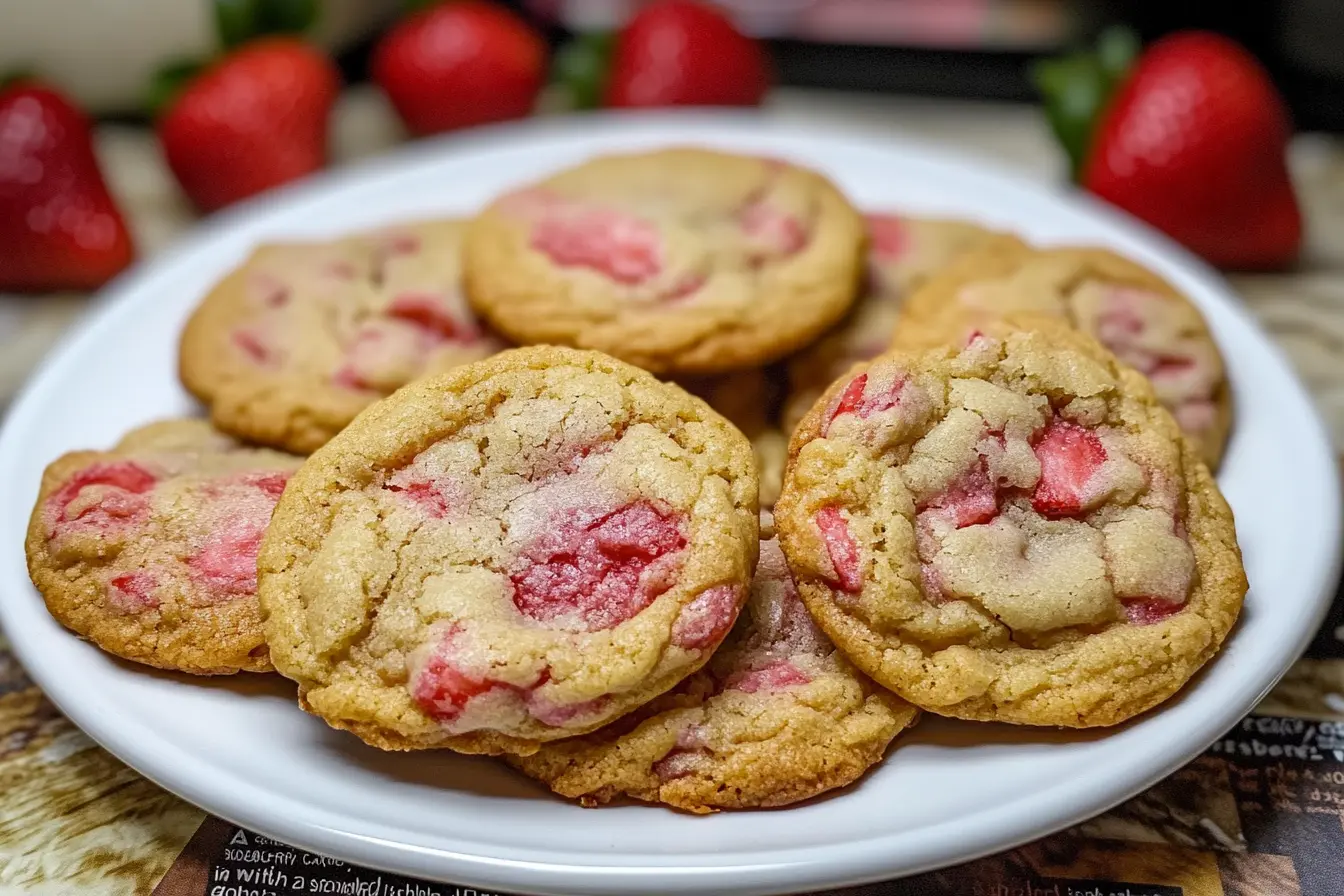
522,876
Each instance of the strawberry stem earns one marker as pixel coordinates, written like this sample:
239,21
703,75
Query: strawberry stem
581,67
168,82
1076,88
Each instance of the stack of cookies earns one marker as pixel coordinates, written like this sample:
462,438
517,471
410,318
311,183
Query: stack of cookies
505,486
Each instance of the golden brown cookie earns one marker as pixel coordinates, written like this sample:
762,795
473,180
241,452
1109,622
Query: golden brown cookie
1140,317
903,252
1016,531
149,550
778,716
292,344
518,550
681,261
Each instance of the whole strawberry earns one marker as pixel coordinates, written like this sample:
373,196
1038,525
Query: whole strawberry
685,53
59,228
255,119
460,64
1192,138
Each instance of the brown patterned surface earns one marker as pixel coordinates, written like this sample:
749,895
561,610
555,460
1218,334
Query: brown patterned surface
1238,821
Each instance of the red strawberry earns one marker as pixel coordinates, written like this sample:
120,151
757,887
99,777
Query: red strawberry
685,53
1070,457
1192,139
59,228
1194,143
254,120
460,64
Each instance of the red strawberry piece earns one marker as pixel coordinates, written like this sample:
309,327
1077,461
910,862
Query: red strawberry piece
776,233
460,64
120,496
889,236
132,592
970,500
853,399
273,484
1147,610
685,53
427,312
269,290
705,620
252,121
840,547
253,344
1194,143
434,497
776,676
227,562
557,714
59,227
442,689
1070,456
589,571
625,248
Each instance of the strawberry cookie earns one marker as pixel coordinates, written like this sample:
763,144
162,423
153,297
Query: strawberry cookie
680,261
1015,531
288,348
149,550
778,716
903,252
1140,317
518,550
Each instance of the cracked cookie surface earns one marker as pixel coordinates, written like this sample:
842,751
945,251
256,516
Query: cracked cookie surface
778,716
519,550
681,261
1016,531
291,345
1138,316
149,550
903,252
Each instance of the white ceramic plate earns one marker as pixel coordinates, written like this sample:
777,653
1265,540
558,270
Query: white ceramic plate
949,792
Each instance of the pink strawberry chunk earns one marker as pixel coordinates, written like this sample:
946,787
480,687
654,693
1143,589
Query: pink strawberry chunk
252,345
889,236
119,496
840,546
443,690
776,676
132,592
970,500
705,620
1070,457
1148,610
854,399
622,247
227,562
597,572
427,312
780,233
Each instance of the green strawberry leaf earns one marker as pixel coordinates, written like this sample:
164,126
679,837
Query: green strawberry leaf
14,76
168,82
581,66
236,21
1076,88
239,21
286,16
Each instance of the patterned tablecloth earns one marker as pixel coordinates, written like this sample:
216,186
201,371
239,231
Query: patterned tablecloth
1261,813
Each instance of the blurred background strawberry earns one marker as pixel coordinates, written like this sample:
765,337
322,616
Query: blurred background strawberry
1191,136
1190,132
59,228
